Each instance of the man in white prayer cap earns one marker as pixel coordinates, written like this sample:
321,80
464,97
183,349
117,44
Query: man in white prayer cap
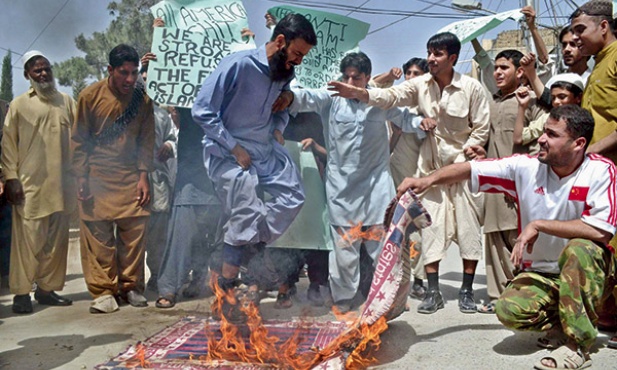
36,165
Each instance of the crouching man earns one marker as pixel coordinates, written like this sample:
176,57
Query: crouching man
567,215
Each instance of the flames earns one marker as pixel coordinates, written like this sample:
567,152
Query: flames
250,343
413,253
356,233
370,341
139,359
359,342
256,346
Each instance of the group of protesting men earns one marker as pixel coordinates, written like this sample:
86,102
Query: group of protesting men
545,164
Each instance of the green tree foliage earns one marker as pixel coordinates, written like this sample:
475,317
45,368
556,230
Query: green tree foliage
132,25
6,86
74,73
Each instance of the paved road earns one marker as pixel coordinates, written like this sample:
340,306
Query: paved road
71,338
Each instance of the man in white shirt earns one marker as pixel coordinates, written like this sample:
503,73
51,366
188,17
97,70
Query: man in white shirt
567,215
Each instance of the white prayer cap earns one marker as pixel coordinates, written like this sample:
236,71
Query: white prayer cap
572,78
31,54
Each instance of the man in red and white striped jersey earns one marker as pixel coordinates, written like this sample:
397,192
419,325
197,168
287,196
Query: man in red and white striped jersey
567,215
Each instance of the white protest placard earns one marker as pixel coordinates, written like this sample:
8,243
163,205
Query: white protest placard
196,36
219,19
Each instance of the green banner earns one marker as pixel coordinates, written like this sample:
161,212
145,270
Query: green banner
336,35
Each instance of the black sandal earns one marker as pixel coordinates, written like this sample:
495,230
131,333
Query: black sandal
171,301
283,300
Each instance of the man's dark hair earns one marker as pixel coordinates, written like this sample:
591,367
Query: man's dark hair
123,53
597,18
418,62
568,86
512,55
564,31
359,61
295,26
445,41
579,122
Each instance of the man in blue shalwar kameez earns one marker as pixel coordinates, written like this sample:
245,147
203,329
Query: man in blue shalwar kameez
242,146
358,181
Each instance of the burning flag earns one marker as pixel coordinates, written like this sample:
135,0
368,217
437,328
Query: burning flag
309,345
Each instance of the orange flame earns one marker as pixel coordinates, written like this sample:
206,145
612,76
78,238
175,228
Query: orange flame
351,316
264,345
413,253
361,357
356,233
359,341
139,359
265,349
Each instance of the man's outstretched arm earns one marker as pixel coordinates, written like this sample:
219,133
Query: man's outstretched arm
451,174
348,91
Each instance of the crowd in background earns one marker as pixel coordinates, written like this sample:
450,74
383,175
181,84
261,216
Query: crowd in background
213,190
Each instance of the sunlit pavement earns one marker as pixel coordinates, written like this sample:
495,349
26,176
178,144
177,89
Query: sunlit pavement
72,338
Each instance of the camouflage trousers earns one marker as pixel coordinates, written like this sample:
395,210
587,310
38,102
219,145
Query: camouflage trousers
538,302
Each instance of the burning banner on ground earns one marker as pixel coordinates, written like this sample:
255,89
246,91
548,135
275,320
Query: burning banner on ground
208,344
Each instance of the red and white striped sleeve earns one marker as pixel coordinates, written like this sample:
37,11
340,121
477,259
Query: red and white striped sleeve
601,203
495,175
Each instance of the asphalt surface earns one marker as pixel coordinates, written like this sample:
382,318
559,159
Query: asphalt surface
72,338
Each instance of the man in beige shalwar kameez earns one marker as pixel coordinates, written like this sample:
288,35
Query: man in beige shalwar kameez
36,166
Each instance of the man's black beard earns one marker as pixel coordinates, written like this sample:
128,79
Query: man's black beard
278,69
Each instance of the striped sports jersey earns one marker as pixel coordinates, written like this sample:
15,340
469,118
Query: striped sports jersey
587,194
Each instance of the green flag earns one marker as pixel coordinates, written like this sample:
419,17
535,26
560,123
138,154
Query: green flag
469,29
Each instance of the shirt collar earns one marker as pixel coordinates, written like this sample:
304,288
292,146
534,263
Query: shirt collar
262,57
499,96
612,47
456,80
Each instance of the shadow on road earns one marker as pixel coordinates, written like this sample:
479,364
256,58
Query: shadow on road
6,304
53,352
400,337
